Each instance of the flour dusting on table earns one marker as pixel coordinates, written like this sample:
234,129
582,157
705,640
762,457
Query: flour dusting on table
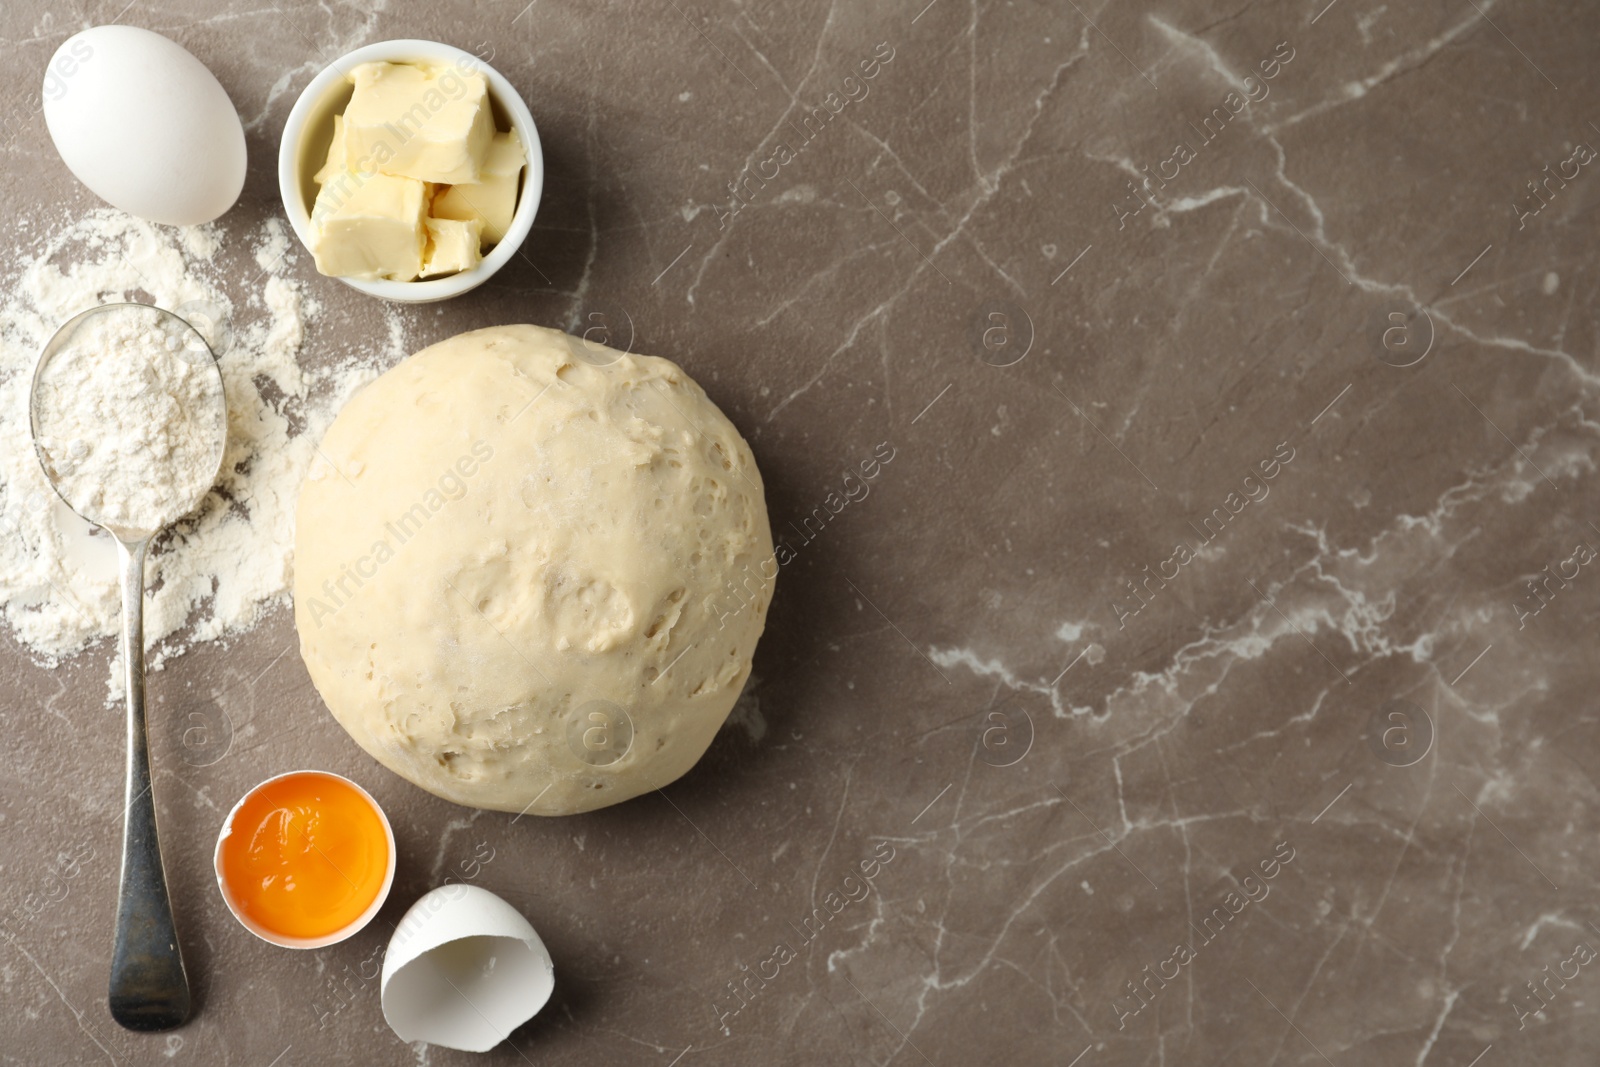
218,570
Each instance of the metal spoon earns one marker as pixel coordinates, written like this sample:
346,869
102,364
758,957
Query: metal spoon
149,987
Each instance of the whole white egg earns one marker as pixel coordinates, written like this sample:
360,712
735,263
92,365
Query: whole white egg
144,125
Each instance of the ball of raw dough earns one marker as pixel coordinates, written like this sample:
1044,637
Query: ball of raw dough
530,571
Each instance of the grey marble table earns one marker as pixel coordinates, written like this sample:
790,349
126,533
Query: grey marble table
1208,676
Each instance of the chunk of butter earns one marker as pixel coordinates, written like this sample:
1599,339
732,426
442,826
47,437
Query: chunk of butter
408,121
493,198
452,246
370,226
335,163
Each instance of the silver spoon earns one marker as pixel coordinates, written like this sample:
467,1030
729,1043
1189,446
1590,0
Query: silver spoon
149,987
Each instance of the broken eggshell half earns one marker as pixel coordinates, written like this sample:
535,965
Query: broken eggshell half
463,970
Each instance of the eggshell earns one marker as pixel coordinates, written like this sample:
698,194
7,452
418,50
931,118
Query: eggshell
463,970
144,125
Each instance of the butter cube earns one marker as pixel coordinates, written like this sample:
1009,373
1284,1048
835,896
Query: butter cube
335,161
493,198
370,226
410,122
452,246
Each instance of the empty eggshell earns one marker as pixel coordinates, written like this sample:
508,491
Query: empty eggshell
144,125
463,970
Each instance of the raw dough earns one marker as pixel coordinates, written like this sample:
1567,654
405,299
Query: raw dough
509,537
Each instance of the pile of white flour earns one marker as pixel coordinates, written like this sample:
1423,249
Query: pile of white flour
219,569
131,419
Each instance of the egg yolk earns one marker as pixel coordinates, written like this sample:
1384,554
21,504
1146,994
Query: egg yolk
307,855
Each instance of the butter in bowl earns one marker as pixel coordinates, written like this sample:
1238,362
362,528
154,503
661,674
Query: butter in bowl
410,170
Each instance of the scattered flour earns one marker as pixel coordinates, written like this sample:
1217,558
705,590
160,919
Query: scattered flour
219,569
131,419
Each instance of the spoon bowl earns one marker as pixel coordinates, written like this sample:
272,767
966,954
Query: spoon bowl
133,479
84,336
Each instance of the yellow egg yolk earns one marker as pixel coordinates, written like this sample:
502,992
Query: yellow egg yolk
307,855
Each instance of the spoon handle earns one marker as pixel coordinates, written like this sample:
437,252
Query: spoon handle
149,988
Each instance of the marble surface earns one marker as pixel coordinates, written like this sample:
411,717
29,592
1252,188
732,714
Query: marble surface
1199,578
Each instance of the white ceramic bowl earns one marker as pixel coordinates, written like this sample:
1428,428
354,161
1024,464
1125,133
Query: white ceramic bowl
325,940
309,131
